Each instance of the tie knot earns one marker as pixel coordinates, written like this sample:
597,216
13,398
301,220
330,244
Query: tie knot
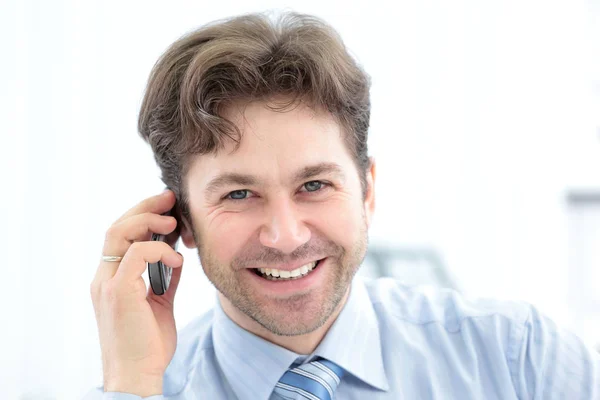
316,380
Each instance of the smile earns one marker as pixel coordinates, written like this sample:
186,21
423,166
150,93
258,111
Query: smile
274,274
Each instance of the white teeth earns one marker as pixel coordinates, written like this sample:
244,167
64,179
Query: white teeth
303,270
285,274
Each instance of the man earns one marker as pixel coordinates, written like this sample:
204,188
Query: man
260,131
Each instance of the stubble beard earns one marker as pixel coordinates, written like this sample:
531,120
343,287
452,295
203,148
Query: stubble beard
295,315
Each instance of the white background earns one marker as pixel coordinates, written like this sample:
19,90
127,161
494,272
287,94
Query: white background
484,117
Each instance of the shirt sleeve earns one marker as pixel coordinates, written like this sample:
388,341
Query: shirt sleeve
99,394
551,363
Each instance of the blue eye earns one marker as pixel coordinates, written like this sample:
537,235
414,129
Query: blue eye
313,186
233,195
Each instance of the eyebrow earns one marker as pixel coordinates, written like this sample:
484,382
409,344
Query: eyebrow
233,178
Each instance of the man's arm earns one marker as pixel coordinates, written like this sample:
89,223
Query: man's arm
137,331
551,363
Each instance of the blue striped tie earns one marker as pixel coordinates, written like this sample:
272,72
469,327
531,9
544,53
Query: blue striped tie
316,380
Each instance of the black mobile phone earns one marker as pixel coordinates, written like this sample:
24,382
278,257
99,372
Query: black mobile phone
159,274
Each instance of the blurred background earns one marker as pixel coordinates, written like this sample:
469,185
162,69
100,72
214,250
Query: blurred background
485,126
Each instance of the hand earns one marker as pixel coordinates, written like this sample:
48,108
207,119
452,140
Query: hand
136,327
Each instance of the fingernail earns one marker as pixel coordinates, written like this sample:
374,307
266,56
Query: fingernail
180,255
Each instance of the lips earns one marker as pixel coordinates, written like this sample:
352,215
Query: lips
279,288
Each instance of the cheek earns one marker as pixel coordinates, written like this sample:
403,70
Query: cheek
227,233
340,220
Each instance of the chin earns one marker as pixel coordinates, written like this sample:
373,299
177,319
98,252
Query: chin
296,315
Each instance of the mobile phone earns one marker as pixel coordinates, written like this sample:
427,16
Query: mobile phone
160,274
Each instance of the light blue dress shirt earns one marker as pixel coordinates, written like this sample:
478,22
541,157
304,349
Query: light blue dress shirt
394,342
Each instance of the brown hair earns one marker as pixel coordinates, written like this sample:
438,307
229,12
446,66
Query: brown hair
248,57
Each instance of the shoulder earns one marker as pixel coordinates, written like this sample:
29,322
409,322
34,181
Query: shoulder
428,314
517,342
420,305
494,340
437,330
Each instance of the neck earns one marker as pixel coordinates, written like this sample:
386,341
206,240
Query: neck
300,344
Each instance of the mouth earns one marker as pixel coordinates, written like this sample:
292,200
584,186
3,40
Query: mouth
273,274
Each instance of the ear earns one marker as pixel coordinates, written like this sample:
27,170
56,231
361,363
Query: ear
186,235
370,194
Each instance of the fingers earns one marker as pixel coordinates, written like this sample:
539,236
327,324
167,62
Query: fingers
121,236
175,278
134,262
136,229
158,204
169,295
136,225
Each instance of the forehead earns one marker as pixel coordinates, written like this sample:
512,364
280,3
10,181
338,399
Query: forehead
276,144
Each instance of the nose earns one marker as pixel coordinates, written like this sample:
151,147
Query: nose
283,229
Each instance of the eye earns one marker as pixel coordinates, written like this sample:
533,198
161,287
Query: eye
314,186
237,195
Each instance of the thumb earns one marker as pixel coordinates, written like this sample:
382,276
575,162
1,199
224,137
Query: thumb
169,296
175,278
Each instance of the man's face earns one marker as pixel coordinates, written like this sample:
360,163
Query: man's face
289,196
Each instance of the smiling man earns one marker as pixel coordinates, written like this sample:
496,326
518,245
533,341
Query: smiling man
282,250
260,130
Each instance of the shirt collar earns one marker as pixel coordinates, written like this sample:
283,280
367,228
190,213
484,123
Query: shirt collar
253,366
353,341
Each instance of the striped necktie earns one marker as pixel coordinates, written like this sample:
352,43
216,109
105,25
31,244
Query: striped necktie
316,380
